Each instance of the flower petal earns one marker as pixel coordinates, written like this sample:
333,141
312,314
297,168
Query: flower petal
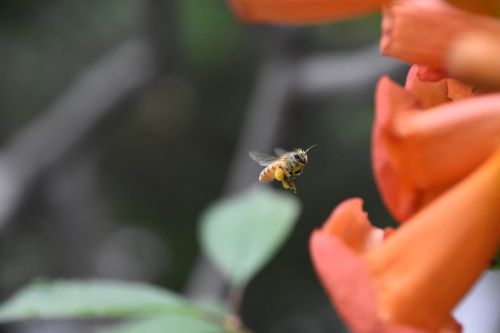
474,58
418,154
350,223
433,86
423,270
398,192
412,281
346,280
487,7
428,86
346,277
301,11
422,31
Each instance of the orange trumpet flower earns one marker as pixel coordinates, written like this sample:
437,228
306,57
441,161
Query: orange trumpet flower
411,281
301,11
423,31
474,58
429,136
486,7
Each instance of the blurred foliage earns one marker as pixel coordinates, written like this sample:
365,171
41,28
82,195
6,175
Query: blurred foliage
173,324
350,33
166,153
242,233
63,299
209,33
155,309
45,43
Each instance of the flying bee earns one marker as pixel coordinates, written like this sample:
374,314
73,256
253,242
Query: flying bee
283,167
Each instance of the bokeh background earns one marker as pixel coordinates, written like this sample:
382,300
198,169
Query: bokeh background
122,120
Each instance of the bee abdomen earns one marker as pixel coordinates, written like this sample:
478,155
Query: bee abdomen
267,175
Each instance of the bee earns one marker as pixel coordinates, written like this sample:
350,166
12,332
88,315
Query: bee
283,167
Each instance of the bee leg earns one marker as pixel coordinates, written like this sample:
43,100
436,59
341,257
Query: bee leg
290,175
285,178
292,186
288,184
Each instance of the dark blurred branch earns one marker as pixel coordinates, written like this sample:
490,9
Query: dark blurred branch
78,211
64,124
161,32
266,107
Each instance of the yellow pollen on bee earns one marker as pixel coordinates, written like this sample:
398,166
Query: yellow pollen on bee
279,174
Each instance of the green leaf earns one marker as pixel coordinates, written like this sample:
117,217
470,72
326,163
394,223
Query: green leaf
213,309
98,298
168,324
241,234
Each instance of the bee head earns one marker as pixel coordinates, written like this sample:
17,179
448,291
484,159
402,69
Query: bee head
300,156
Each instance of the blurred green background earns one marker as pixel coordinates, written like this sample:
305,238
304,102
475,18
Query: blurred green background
124,200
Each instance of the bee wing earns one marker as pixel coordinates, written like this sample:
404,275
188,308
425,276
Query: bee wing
262,159
280,151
